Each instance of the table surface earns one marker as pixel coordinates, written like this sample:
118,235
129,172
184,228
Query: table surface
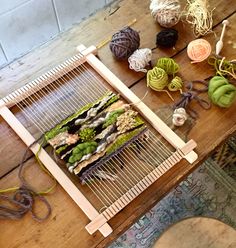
65,227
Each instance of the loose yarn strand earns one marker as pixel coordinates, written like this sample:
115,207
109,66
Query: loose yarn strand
233,75
50,189
24,196
9,190
223,67
192,94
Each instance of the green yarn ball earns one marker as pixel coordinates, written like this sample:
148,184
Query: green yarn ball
175,84
157,79
221,92
168,64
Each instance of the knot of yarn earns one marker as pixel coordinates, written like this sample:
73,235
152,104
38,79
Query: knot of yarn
198,50
124,43
157,79
168,64
176,84
167,38
23,199
221,92
179,117
165,12
186,98
140,59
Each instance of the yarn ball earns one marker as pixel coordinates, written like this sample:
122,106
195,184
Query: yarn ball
175,84
179,117
165,12
167,37
221,92
157,79
198,50
139,59
124,43
168,64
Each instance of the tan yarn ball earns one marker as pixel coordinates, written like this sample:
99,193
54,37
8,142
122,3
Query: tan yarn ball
166,12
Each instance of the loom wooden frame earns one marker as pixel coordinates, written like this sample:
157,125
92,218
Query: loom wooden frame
98,220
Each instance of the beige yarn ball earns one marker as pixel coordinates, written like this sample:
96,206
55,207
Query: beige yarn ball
166,12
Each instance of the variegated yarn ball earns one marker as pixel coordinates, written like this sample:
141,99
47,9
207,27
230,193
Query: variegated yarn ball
166,12
140,59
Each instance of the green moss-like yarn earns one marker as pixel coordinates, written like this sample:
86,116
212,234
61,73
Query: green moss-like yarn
168,64
221,92
157,79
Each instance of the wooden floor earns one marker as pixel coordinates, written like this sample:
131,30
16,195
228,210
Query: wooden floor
65,227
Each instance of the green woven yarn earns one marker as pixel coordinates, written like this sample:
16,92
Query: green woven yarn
157,79
168,64
221,92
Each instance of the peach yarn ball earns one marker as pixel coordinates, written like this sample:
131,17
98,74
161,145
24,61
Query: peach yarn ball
198,50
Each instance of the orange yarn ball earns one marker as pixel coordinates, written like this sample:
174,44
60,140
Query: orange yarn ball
198,50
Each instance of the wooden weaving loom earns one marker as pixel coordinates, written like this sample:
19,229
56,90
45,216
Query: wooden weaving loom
71,85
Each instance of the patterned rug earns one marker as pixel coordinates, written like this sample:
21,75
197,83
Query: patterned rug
225,157
209,191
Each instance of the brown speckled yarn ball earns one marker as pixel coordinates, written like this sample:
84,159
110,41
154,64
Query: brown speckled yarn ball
124,43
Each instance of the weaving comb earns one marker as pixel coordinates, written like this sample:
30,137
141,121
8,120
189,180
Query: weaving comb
100,200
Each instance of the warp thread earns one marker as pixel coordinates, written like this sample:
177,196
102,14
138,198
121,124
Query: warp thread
198,50
23,198
223,67
192,94
165,12
124,43
169,65
167,38
140,59
179,117
221,92
199,16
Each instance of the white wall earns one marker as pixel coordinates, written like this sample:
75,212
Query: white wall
26,24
